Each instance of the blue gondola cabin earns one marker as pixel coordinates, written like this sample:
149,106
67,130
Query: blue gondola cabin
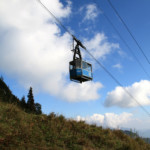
80,71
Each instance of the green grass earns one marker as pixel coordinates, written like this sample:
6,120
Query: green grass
20,130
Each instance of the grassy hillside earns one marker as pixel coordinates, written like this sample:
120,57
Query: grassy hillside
8,97
20,130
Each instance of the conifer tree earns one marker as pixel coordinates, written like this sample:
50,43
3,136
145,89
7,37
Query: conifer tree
23,102
1,78
30,102
38,108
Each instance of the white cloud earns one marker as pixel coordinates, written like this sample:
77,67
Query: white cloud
36,53
91,12
115,120
124,120
90,91
57,8
99,45
139,90
110,120
118,66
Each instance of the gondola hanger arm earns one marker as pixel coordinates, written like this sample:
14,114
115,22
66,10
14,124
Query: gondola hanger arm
78,42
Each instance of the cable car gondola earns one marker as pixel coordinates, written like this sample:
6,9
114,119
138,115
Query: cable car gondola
80,71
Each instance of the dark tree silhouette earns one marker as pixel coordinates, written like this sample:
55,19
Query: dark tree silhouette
38,108
7,96
30,102
23,102
1,78
5,92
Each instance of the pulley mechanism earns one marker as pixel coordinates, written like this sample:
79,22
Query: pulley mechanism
80,71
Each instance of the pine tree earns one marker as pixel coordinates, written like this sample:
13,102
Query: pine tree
23,102
1,78
30,102
38,108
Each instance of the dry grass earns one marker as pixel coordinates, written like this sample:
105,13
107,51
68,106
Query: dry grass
19,130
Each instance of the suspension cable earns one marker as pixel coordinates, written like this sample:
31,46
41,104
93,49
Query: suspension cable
57,20
123,40
98,62
119,83
129,31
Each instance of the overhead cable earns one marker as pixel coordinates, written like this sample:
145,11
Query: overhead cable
98,62
117,81
129,31
57,20
115,29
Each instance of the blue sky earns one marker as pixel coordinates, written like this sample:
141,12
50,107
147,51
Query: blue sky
35,51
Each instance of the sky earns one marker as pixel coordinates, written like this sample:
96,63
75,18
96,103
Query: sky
35,51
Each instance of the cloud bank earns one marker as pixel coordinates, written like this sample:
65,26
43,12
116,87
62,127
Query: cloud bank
36,52
116,121
110,120
139,90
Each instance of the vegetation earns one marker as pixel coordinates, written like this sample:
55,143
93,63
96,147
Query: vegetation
147,140
7,96
22,130
30,102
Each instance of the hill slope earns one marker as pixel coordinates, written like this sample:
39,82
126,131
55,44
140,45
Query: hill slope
7,96
20,130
